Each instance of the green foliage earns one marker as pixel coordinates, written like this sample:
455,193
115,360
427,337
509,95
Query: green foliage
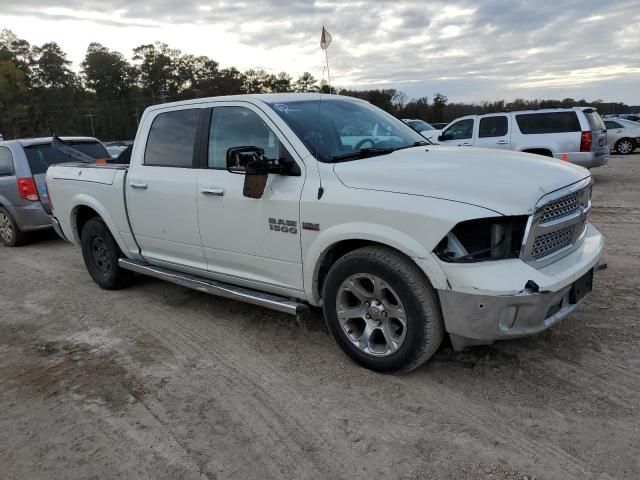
40,94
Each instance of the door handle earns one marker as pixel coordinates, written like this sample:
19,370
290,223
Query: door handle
139,185
466,144
214,192
502,142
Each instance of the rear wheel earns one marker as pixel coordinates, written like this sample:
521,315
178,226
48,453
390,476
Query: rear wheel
10,234
382,310
101,253
625,146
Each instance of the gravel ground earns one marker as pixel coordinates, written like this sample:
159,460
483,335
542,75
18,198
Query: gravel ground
157,381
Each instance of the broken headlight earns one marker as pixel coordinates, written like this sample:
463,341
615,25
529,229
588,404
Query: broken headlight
483,239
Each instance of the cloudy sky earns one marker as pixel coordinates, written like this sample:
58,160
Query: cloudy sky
469,50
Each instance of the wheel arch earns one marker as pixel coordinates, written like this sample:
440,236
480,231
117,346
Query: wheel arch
86,208
546,152
326,251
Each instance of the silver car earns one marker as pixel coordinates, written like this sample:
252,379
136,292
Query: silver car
24,200
623,135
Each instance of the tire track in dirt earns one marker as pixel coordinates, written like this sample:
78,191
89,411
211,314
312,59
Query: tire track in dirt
447,400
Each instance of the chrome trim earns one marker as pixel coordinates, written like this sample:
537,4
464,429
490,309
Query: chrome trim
534,228
273,302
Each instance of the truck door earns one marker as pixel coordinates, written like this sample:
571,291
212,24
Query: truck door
493,132
254,240
161,191
459,133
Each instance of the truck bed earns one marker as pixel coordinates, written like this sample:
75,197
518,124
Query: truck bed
100,187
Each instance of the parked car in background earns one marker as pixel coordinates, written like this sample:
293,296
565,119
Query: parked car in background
623,136
116,147
272,200
422,127
438,125
577,134
24,201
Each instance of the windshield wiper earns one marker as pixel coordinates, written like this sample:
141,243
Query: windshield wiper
362,153
420,143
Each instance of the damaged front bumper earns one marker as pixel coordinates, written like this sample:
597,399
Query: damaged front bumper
481,304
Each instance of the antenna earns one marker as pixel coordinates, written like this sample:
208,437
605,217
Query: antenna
320,188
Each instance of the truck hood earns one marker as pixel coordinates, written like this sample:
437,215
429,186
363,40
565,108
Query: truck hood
506,182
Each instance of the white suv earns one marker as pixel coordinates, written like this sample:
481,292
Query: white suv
576,134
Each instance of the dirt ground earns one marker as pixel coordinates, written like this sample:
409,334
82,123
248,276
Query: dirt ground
157,381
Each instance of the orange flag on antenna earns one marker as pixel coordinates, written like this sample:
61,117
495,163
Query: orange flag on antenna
325,39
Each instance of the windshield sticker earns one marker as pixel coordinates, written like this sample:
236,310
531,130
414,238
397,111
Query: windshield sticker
281,107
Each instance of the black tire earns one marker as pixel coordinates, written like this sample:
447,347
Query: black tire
628,146
101,253
10,233
424,325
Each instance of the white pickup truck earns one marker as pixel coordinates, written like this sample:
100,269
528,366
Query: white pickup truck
292,200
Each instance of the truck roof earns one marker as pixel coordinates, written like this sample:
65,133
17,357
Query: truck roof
264,97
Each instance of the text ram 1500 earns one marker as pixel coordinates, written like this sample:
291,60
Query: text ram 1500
292,200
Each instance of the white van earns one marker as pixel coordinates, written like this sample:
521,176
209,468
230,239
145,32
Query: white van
576,134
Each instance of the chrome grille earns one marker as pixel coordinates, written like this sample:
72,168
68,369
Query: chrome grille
563,207
558,225
548,243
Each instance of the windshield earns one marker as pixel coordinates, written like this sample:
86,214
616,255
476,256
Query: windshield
340,129
419,125
41,157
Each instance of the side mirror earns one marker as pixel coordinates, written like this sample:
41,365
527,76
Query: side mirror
250,162
245,160
441,138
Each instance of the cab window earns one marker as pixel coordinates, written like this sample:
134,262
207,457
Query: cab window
240,127
610,124
460,130
171,139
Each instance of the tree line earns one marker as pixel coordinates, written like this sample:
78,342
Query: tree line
40,94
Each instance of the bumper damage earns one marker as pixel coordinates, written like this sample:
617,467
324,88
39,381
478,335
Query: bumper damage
479,316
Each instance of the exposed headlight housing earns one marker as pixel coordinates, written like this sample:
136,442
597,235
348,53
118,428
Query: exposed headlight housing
483,239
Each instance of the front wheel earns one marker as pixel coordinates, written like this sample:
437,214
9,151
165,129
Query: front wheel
101,254
625,146
382,310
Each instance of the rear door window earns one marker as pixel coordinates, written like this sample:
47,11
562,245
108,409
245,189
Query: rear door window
552,122
6,162
611,124
493,126
41,157
171,139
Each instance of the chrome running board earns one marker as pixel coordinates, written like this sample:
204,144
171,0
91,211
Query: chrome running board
273,302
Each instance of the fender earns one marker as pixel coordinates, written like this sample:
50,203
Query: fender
369,232
83,200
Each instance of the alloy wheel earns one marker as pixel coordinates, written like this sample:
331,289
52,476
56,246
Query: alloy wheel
6,227
371,314
625,147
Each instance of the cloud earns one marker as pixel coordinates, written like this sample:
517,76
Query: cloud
467,49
